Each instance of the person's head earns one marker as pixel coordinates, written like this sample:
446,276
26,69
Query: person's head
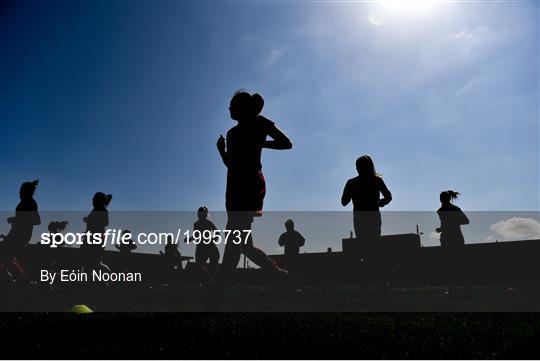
448,196
365,166
245,106
126,231
202,212
289,225
57,226
101,199
28,189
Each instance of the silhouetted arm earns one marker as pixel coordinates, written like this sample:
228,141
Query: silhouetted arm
439,229
387,196
222,151
279,140
463,219
281,240
346,197
36,219
301,240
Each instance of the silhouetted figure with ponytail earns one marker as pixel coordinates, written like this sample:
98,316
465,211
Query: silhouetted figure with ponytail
452,241
365,191
96,223
20,234
241,154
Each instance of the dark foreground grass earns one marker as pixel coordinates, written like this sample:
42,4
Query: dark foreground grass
244,298
362,332
271,335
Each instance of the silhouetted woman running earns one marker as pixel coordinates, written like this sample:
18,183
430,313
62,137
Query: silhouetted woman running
20,234
452,241
241,154
365,191
96,222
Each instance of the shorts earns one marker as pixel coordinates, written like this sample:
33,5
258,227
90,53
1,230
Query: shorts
245,192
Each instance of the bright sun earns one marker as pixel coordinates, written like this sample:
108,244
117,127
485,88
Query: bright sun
398,8
408,6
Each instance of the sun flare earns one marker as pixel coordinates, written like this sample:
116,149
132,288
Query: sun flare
397,10
408,6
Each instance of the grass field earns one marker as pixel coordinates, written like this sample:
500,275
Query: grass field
289,327
275,299
271,335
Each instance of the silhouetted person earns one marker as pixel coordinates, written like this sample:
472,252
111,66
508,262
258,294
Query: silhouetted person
96,223
173,257
125,247
365,191
291,240
55,228
22,226
452,241
241,154
206,250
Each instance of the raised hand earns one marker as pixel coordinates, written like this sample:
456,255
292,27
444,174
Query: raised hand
221,144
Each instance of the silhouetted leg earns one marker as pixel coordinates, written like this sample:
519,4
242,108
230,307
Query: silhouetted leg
103,267
449,269
231,257
366,231
257,255
214,259
18,267
357,224
202,254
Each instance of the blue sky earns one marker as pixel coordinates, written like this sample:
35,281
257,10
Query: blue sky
130,97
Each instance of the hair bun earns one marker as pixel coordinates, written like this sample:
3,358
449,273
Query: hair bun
258,103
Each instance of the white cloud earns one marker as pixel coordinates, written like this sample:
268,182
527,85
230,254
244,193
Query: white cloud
517,228
435,235
489,238
476,32
458,50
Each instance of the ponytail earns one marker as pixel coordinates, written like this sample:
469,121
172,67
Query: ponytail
258,103
248,104
448,196
101,199
452,194
28,188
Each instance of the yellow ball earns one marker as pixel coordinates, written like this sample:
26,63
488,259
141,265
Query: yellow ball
80,309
